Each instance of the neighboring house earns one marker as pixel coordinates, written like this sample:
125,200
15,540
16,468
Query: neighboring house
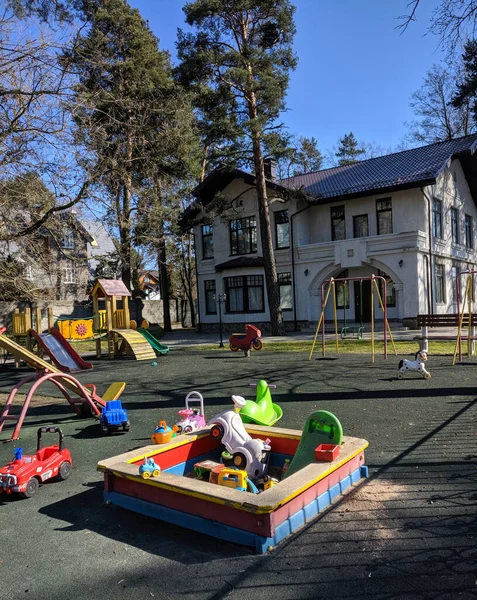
409,217
58,269
64,266
100,248
150,285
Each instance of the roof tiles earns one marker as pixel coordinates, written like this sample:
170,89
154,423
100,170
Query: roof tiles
390,171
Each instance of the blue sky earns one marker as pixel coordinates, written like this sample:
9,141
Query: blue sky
356,72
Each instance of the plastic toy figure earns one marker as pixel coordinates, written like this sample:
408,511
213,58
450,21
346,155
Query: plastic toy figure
192,418
248,453
25,473
263,411
247,340
414,365
149,468
113,417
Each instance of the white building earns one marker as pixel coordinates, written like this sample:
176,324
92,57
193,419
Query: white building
409,217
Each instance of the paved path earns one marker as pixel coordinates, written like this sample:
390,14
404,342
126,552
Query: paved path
190,337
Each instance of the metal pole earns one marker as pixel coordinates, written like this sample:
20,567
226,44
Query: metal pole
219,299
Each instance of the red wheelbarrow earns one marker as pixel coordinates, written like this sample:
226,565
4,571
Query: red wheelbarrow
246,341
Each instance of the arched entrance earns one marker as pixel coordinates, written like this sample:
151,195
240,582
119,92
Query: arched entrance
357,293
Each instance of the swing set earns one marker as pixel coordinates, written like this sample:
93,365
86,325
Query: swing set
464,318
331,289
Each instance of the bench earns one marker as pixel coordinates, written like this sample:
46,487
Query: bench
443,320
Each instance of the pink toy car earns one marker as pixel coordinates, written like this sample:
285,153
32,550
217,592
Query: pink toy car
191,418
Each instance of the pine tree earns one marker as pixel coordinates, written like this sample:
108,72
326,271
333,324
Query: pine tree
348,151
466,94
307,158
239,58
129,113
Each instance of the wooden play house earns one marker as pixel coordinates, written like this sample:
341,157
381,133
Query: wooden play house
116,321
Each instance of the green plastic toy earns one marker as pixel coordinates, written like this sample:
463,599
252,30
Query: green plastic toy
321,427
263,411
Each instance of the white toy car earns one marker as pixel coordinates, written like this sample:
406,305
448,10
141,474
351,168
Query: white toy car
248,453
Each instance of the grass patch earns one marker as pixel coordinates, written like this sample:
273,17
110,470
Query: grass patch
345,347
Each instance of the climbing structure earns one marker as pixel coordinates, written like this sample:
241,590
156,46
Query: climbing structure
121,338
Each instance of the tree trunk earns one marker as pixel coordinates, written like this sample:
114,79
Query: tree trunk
164,279
189,287
125,235
269,266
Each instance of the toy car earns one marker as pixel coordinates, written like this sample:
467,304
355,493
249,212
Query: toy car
192,418
236,479
247,340
24,474
248,453
113,417
149,468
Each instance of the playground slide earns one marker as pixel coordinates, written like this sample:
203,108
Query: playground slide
37,363
60,351
140,348
158,347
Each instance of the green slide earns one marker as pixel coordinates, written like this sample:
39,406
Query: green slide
158,347
321,427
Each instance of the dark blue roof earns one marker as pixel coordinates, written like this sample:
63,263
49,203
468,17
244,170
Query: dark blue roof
399,170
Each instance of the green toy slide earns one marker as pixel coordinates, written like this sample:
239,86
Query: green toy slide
158,347
321,427
263,411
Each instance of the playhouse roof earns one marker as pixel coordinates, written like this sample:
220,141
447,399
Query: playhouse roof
110,287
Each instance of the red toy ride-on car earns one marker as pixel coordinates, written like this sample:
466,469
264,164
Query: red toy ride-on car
247,340
24,474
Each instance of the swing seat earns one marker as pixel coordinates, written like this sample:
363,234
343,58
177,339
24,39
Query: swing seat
354,329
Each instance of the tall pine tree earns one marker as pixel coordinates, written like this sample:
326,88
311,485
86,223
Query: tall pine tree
129,113
241,54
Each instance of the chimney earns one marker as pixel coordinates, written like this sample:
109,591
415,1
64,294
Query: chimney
270,166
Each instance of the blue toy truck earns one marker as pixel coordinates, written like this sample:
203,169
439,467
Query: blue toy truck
113,418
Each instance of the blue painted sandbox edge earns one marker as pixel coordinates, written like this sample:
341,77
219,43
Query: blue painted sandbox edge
233,534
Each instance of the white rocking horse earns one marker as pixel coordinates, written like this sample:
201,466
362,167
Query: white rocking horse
414,365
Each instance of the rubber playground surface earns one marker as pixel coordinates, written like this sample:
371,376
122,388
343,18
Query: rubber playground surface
409,532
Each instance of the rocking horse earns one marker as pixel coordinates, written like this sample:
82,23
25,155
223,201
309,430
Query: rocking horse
414,365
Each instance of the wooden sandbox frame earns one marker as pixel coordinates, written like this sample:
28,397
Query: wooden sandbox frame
258,520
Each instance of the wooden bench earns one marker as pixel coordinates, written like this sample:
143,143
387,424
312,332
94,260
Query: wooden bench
443,320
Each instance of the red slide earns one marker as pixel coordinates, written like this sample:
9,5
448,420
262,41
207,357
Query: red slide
60,351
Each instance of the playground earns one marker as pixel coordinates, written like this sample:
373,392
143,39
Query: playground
408,532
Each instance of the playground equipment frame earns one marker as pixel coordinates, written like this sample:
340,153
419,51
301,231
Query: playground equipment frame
374,286
468,297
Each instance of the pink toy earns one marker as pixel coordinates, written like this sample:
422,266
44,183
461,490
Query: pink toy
191,418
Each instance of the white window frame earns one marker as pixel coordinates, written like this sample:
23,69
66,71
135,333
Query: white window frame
69,273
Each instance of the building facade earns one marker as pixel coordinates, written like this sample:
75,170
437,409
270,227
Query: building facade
407,217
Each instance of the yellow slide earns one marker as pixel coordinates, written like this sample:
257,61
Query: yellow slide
140,347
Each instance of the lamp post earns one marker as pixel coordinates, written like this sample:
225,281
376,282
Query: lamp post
220,299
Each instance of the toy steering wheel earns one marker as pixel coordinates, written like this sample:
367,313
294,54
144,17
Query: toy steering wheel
186,412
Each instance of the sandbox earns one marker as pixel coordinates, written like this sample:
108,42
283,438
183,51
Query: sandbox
257,520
